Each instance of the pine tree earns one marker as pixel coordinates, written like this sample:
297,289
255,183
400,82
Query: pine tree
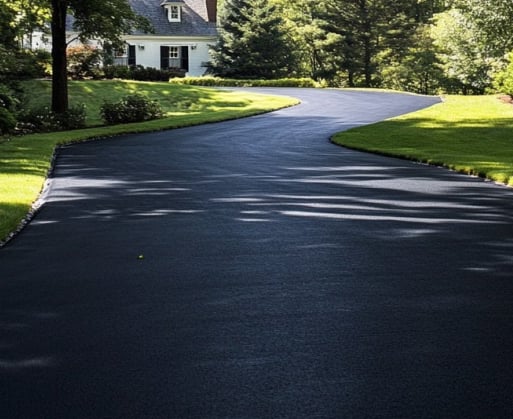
367,28
252,41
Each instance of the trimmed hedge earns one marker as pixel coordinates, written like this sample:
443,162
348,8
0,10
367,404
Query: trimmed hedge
221,82
141,73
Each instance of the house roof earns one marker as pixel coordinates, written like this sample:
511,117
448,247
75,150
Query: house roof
195,17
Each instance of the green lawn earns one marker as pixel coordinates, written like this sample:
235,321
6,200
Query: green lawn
25,161
470,134
178,101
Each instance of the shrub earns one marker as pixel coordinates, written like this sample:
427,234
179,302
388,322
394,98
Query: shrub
131,108
9,104
43,60
218,81
8,98
7,121
19,65
83,61
154,74
43,119
503,80
141,73
74,118
116,72
40,119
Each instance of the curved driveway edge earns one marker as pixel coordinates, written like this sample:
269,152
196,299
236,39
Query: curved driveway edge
251,269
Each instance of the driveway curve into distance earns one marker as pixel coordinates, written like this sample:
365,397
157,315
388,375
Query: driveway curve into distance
251,269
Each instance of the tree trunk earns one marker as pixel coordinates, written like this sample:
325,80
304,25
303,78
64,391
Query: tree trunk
366,28
350,78
367,62
367,51
59,61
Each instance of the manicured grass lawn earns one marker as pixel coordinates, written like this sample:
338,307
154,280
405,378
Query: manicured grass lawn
25,161
178,101
470,134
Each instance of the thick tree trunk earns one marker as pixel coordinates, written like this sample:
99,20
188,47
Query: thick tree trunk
59,62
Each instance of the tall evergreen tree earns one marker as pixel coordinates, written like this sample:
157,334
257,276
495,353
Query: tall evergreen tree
366,28
252,42
311,42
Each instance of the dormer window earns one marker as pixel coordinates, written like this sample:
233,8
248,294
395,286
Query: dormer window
173,10
174,13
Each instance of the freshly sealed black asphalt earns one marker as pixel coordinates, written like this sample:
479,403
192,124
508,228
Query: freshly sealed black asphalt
252,269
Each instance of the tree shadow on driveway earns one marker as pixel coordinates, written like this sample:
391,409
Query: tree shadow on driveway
239,275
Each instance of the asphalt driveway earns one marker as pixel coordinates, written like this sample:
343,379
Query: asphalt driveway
251,269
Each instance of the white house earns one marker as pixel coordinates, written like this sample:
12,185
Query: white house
183,31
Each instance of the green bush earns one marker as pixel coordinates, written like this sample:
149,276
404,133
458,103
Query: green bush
19,65
40,119
218,81
141,73
131,108
43,119
83,61
7,121
116,72
8,98
503,81
9,104
74,118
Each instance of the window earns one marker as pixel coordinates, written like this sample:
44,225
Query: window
174,57
173,9
120,57
174,12
125,56
174,52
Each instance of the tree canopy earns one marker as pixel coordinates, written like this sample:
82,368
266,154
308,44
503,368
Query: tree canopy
104,20
491,19
424,45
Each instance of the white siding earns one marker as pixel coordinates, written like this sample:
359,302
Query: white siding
148,51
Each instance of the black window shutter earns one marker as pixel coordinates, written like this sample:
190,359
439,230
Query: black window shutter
164,57
131,55
185,58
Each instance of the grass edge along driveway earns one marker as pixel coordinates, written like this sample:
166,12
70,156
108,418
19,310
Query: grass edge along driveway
26,161
468,134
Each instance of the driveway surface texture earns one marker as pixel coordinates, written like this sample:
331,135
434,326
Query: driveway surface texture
251,269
